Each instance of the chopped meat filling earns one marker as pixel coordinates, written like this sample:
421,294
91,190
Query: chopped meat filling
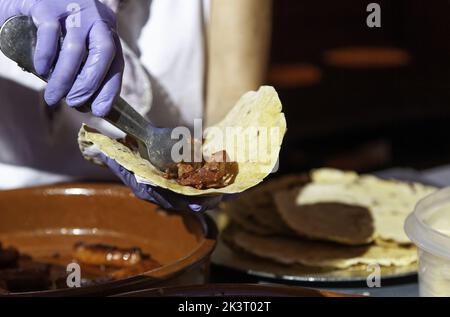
214,173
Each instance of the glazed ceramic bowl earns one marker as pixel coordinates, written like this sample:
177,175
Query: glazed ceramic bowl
44,221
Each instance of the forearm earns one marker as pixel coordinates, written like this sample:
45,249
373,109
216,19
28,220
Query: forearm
238,52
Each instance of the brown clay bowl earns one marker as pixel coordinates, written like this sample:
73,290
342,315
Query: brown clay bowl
44,221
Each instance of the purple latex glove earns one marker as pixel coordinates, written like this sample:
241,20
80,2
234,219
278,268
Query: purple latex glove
160,196
90,62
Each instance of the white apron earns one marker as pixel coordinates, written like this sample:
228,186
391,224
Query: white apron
164,46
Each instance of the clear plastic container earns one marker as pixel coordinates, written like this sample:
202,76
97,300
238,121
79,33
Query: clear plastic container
429,228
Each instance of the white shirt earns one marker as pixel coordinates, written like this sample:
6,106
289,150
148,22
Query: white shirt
164,48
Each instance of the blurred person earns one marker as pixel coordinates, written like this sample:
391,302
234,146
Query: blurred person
173,60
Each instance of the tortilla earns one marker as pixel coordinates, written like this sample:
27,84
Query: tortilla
255,209
330,221
248,221
256,117
388,201
291,251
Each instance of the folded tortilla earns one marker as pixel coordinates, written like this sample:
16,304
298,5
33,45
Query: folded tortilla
256,211
388,201
257,118
329,221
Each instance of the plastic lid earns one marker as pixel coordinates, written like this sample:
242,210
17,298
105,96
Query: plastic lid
423,234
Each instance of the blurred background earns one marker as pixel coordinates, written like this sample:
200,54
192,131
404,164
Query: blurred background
363,98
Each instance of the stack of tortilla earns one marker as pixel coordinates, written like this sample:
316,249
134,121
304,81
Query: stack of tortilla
326,219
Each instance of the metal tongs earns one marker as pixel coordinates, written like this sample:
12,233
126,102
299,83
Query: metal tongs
18,37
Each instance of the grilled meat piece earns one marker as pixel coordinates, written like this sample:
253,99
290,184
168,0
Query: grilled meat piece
102,254
28,279
8,257
139,268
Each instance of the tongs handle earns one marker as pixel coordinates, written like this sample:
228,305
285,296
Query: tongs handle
125,118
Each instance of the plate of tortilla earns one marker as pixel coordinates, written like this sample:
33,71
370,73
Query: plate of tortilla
324,226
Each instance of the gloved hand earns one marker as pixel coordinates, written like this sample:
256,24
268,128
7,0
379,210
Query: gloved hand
90,61
160,196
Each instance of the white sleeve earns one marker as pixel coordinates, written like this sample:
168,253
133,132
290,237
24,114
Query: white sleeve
172,49
39,146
